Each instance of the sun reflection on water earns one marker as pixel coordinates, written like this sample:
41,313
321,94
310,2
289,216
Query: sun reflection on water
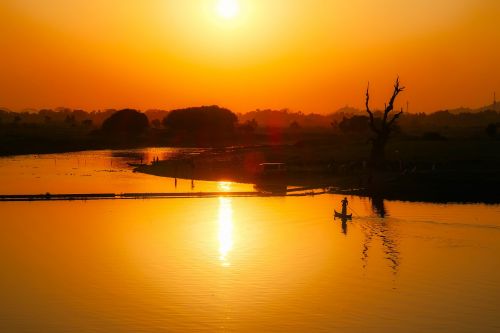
224,186
225,230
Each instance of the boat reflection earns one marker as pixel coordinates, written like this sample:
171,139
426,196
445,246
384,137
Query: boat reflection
225,220
374,228
343,223
344,226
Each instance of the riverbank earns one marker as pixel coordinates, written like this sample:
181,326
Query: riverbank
429,172
453,170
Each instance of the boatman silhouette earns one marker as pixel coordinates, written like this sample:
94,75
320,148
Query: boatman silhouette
345,202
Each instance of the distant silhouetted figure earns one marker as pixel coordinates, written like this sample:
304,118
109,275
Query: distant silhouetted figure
345,202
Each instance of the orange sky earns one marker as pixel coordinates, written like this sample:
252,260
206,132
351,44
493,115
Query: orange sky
309,55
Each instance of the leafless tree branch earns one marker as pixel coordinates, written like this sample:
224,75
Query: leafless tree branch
382,131
388,109
370,113
396,117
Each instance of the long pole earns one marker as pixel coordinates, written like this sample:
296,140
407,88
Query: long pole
354,212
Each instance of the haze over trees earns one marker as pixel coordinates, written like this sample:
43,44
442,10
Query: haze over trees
355,124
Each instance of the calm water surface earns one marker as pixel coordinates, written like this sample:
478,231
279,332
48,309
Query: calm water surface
245,264
103,171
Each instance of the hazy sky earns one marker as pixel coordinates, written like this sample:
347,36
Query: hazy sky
309,55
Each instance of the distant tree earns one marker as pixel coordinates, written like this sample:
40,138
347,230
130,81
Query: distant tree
17,119
356,124
128,121
491,130
70,120
47,119
155,114
283,118
211,120
87,123
433,136
335,125
383,128
295,126
156,123
249,126
80,115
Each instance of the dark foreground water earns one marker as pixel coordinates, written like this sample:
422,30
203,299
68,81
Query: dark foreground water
243,264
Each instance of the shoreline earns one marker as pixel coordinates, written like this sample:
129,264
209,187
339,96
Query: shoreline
473,181
241,165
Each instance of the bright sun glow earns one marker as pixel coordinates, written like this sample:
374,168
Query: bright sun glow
228,9
224,186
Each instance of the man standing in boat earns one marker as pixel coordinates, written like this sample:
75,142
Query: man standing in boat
344,206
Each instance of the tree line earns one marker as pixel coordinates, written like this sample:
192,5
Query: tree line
346,120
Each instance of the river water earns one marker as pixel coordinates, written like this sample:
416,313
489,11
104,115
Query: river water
279,264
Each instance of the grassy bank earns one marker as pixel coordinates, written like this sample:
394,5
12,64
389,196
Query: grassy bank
452,170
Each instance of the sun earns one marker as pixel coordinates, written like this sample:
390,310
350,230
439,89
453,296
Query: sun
228,9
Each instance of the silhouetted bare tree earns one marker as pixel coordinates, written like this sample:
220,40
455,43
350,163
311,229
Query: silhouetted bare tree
382,128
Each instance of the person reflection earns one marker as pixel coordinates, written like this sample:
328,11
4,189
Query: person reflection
344,226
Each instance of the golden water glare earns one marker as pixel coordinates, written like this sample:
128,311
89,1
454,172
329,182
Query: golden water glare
269,264
225,221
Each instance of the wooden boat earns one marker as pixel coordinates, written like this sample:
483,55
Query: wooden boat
342,216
